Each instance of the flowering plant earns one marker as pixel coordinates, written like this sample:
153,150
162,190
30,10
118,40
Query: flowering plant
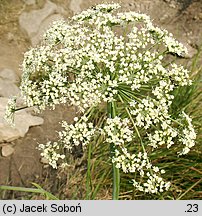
117,63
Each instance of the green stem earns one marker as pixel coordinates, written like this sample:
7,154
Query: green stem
88,178
20,108
116,175
29,190
116,180
180,197
136,129
21,189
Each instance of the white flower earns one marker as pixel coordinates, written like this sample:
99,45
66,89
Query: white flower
10,111
140,164
117,131
100,57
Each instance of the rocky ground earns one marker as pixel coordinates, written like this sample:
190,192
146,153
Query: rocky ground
22,22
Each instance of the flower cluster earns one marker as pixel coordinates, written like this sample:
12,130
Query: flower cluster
50,152
52,91
139,163
188,134
87,43
117,131
10,110
103,57
79,133
154,184
168,134
75,134
148,112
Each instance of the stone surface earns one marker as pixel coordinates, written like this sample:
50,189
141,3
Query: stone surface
35,22
44,161
10,37
43,27
29,2
7,150
8,88
191,51
31,21
75,6
8,80
3,103
23,120
9,75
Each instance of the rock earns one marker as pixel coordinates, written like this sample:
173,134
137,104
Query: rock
7,150
29,2
23,120
8,88
7,133
8,78
3,103
198,16
75,6
172,3
10,37
191,51
43,27
31,22
164,18
44,161
9,75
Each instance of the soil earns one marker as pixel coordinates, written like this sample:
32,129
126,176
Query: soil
181,17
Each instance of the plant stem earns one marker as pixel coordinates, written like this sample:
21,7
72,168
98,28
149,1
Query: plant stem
21,108
137,131
180,197
111,108
88,178
30,190
21,189
116,178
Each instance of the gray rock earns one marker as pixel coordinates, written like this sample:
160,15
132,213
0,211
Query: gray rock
9,75
191,51
188,42
7,133
75,6
32,22
29,2
10,37
7,150
44,161
23,120
172,3
3,103
8,88
43,27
